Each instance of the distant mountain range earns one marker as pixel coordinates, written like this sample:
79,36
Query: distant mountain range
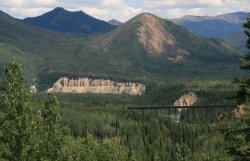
62,20
115,22
225,26
144,49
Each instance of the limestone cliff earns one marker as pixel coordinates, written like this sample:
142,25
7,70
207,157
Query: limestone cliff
88,85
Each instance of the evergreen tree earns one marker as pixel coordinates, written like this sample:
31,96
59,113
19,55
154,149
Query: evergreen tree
131,154
27,136
16,122
52,134
240,136
244,83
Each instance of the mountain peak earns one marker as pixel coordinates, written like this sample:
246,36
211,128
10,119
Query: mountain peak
63,20
145,15
152,35
58,9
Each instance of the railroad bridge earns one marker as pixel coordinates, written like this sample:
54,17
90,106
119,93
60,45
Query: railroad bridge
176,110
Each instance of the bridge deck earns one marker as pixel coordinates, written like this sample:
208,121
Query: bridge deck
177,107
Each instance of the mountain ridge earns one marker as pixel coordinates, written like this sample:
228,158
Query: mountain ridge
234,17
224,26
62,20
118,55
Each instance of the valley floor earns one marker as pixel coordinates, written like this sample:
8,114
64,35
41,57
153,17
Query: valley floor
152,134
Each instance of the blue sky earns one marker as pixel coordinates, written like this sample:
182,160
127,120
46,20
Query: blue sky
125,9
134,3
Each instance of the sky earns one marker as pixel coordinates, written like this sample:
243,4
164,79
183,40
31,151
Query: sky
123,10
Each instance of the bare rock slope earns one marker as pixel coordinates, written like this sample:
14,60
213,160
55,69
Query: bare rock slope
156,40
153,36
88,85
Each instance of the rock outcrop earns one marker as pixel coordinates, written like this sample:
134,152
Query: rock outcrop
186,100
88,85
240,111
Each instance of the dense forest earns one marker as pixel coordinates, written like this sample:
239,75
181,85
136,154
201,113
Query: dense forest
153,134
30,133
92,127
101,127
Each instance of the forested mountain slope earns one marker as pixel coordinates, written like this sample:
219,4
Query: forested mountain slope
226,26
62,20
144,49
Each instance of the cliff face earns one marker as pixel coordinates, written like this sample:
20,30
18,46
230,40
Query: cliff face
88,85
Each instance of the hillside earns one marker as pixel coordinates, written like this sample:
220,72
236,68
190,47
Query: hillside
212,28
153,47
34,47
217,26
145,49
225,26
237,39
62,20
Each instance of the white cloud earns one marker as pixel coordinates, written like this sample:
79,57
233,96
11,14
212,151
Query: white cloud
211,2
118,9
46,2
25,12
179,8
112,9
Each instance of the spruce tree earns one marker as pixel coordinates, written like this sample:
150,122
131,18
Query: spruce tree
131,155
240,136
16,124
52,136
243,95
